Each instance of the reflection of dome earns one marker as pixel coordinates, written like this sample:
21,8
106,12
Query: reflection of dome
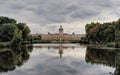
60,29
61,51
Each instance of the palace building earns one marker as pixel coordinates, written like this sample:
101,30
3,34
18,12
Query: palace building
60,36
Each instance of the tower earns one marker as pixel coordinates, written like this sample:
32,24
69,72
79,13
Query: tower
60,33
60,29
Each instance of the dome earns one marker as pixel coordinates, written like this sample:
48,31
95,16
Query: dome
60,29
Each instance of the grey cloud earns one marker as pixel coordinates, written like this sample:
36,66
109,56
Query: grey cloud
56,18
45,12
39,11
84,14
72,7
2,2
17,6
57,11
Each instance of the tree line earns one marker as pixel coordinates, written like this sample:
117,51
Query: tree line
12,33
102,33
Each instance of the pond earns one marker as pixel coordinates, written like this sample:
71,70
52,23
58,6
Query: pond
59,59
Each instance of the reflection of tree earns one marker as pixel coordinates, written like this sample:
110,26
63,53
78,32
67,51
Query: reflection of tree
12,57
117,62
6,61
104,56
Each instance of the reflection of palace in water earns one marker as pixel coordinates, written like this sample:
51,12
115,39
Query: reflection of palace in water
59,47
104,56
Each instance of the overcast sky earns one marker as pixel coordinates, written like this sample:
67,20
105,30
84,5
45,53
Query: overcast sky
43,16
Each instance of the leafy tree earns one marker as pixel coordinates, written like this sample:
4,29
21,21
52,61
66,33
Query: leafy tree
24,29
4,20
11,32
117,35
103,33
21,26
25,33
7,32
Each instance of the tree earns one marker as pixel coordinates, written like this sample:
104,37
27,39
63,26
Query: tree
117,35
25,33
8,31
4,20
21,26
103,33
11,32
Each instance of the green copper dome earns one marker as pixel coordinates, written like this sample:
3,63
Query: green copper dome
60,29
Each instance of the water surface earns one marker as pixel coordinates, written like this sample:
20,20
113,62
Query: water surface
58,59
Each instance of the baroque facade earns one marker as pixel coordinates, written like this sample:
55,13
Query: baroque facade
60,36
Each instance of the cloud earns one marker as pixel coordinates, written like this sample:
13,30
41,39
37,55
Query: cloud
43,13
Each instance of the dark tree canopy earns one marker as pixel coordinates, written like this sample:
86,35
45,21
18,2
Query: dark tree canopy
103,33
13,32
7,32
4,20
